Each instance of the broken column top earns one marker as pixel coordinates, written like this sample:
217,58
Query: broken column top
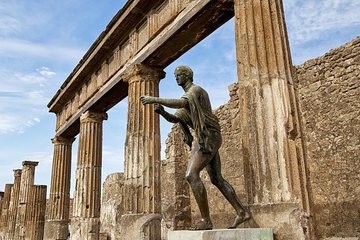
17,172
30,163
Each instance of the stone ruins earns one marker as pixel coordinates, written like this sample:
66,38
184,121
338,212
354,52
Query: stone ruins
290,134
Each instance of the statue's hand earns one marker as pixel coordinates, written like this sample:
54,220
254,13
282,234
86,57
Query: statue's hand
158,108
147,99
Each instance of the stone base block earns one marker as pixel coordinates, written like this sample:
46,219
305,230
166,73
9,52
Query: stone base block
223,234
56,229
140,226
84,228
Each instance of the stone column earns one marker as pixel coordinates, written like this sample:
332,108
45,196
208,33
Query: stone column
35,219
86,208
26,184
142,148
56,226
271,138
13,206
1,201
5,210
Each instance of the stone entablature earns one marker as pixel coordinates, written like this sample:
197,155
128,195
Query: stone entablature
132,37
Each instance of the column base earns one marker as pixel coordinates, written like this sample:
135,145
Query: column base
223,234
141,226
56,229
84,228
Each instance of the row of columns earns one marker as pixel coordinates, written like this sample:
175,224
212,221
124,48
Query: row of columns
269,125
142,165
23,206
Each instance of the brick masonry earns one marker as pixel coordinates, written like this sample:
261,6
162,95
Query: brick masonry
329,99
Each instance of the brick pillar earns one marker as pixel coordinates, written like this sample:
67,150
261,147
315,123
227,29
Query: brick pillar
26,184
271,136
56,226
85,223
5,210
35,219
13,206
142,148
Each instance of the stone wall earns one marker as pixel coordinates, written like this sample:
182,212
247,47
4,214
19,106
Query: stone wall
328,95
329,99
175,193
111,206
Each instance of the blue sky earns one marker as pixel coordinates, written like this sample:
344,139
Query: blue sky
42,41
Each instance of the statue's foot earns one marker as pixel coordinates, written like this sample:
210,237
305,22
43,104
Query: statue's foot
202,225
245,216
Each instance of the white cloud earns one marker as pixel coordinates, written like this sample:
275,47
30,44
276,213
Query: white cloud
309,20
9,25
45,72
12,47
23,105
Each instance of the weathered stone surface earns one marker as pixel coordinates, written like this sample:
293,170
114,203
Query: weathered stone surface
112,206
25,198
224,234
142,147
5,211
84,228
86,209
35,219
167,29
329,100
140,226
13,206
175,194
56,226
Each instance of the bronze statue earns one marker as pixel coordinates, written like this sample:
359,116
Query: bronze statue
194,111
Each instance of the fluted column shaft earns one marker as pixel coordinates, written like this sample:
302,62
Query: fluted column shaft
5,209
13,206
142,148
35,219
270,123
1,201
56,226
86,207
26,184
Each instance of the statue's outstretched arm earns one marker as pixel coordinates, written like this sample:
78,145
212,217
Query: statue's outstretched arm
167,102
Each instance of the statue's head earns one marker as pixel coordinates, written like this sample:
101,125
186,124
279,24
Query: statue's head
184,70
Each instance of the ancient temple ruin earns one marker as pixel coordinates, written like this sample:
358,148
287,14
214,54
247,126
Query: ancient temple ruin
269,125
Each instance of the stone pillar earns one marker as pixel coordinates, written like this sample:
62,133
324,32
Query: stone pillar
35,219
85,223
271,136
1,201
175,192
142,148
5,210
56,226
26,184
13,206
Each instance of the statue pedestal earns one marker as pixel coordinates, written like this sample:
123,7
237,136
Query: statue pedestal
223,234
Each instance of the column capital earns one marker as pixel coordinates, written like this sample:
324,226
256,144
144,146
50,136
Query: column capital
30,163
90,116
142,72
17,172
62,140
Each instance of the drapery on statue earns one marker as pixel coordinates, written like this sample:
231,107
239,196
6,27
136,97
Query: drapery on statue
194,111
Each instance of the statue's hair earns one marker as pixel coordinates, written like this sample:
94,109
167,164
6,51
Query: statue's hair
187,71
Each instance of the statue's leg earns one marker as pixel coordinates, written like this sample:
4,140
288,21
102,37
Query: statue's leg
214,171
197,162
